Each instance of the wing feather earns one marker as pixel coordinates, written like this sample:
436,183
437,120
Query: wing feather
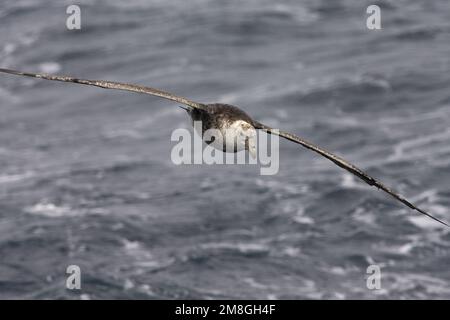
109,85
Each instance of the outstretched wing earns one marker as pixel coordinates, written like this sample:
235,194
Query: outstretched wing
166,95
345,165
109,85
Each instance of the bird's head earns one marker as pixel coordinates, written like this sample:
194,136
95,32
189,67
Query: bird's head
188,109
194,114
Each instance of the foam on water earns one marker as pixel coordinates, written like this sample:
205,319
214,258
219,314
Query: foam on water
402,149
50,210
11,178
49,67
244,248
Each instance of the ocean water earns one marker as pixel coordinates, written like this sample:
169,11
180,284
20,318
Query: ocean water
86,177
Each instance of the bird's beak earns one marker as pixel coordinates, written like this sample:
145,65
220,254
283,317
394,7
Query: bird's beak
252,146
185,108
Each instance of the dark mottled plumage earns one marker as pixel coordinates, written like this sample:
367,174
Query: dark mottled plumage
220,116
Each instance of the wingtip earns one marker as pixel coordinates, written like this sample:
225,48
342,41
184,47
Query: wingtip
11,71
4,70
445,224
442,222
433,217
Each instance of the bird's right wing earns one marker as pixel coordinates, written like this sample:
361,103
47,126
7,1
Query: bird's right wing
109,85
345,165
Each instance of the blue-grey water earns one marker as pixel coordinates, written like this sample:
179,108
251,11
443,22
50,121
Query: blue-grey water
86,177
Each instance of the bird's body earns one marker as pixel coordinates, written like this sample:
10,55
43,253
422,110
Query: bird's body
237,129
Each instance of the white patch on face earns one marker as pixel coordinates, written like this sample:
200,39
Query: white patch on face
233,137
240,135
244,134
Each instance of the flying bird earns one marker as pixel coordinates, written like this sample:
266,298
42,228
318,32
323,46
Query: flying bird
230,119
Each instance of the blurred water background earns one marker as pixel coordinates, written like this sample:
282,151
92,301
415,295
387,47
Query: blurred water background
86,176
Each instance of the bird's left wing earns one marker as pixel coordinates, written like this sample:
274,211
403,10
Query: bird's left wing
109,85
345,165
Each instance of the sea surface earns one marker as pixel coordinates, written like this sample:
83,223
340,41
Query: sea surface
86,176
